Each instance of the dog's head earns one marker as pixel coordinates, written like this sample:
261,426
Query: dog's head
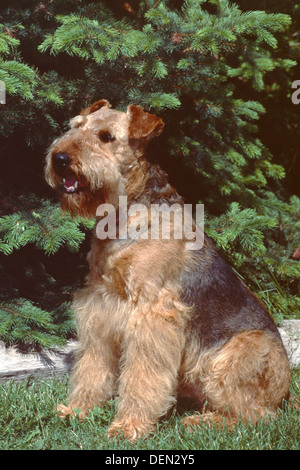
89,163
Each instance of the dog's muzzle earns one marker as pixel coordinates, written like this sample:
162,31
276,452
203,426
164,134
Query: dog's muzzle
61,164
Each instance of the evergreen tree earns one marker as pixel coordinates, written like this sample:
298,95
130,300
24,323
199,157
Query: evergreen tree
279,127
203,66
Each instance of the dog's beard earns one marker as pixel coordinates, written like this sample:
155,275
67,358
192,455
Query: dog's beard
82,203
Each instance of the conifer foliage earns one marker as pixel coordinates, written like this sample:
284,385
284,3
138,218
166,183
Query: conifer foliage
202,66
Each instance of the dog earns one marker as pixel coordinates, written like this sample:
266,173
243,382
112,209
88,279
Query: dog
155,320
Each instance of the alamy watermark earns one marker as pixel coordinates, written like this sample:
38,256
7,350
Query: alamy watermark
157,222
2,92
296,94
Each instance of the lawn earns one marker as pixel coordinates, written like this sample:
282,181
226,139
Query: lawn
27,421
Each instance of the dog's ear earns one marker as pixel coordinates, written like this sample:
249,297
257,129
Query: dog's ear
94,107
143,125
78,120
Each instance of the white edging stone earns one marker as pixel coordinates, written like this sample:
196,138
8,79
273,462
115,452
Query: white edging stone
290,334
17,366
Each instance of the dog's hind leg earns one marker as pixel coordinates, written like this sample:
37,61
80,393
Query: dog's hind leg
246,379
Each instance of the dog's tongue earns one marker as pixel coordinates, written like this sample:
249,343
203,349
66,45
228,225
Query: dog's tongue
71,184
70,181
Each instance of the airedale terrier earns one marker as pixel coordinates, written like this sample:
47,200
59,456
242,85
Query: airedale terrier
156,320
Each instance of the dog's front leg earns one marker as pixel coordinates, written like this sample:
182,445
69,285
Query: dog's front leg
95,372
150,362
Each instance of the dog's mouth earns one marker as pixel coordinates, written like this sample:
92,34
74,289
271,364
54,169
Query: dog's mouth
73,184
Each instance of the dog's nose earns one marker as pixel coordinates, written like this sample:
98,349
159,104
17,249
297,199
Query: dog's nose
61,160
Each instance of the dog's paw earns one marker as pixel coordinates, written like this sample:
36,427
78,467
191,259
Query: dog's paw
207,419
64,411
129,430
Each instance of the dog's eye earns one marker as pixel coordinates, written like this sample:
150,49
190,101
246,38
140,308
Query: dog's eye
105,136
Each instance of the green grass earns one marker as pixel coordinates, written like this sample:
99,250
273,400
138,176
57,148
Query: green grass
27,421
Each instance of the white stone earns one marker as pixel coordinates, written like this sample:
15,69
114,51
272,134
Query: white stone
16,365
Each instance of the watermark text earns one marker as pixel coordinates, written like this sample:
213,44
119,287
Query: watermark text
154,222
296,94
2,92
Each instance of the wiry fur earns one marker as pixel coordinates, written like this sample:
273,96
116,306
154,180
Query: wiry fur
154,320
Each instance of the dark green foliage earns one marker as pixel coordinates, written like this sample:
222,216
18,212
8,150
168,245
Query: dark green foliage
44,224
217,74
30,327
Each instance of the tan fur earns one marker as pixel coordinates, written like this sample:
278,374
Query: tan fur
239,379
136,335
